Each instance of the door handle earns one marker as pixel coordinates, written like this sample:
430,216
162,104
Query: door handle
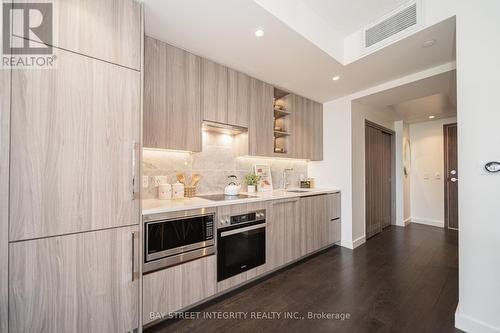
454,180
135,274
453,172
135,149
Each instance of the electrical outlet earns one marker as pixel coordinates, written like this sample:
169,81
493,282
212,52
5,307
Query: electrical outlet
145,181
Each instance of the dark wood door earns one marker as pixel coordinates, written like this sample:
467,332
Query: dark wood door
451,178
378,170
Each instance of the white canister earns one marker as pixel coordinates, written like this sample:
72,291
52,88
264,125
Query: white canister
177,191
164,191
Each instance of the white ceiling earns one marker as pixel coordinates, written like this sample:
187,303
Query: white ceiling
416,101
348,16
223,30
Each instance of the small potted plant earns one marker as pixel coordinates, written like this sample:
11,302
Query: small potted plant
251,180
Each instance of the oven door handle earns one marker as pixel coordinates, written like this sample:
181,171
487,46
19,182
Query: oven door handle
239,230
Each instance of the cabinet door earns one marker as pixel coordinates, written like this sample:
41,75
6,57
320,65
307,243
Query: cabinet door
291,230
105,29
317,132
172,113
313,223
300,131
75,283
333,220
214,91
178,287
238,98
275,235
260,127
73,152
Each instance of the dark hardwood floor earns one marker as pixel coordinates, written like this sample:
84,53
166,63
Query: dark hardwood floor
402,280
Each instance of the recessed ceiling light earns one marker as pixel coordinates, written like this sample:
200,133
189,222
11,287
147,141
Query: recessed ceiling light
336,78
259,33
432,117
429,43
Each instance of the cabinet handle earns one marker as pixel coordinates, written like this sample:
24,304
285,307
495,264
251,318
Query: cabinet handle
135,148
135,274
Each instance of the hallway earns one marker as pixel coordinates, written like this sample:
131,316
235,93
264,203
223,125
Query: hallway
405,273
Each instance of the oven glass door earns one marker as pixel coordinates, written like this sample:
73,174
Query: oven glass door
240,249
171,237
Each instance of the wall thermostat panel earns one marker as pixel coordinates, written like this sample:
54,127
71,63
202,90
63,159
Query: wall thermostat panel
493,167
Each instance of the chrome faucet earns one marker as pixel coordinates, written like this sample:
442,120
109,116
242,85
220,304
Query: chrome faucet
285,183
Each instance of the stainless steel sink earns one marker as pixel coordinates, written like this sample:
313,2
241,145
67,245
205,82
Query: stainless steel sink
297,191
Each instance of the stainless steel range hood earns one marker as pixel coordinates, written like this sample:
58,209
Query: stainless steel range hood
212,126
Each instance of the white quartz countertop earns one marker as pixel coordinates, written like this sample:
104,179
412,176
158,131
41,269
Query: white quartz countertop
156,206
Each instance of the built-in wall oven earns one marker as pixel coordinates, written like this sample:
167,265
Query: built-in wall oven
241,243
176,237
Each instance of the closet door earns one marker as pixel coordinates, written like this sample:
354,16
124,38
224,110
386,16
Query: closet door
378,169
74,156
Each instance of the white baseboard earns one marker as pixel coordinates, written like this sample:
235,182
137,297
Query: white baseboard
468,324
434,223
354,244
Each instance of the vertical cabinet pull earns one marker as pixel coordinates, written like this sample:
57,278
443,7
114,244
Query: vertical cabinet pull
135,149
135,272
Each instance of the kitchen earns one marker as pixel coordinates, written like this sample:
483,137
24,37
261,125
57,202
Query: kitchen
199,166
226,233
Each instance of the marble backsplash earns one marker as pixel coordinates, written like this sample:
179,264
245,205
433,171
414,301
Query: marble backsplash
215,163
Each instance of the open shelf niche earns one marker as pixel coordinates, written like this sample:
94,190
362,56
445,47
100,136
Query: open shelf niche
282,111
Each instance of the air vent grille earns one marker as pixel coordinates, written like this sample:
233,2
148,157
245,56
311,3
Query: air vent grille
391,26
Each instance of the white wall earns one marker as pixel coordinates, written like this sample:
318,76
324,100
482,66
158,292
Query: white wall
402,181
426,172
406,180
478,81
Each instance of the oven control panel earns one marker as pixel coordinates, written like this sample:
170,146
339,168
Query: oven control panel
231,220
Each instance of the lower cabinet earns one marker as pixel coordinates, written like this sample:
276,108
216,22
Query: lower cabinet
177,287
319,223
334,221
82,282
283,241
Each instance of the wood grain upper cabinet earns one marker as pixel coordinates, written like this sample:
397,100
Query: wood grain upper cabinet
238,98
172,113
75,283
260,126
105,29
307,129
74,155
299,124
214,91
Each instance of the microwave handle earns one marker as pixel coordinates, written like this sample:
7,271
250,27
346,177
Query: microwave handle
237,231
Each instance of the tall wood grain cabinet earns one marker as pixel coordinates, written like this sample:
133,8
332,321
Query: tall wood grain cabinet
214,91
74,207
238,102
172,97
307,129
260,125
